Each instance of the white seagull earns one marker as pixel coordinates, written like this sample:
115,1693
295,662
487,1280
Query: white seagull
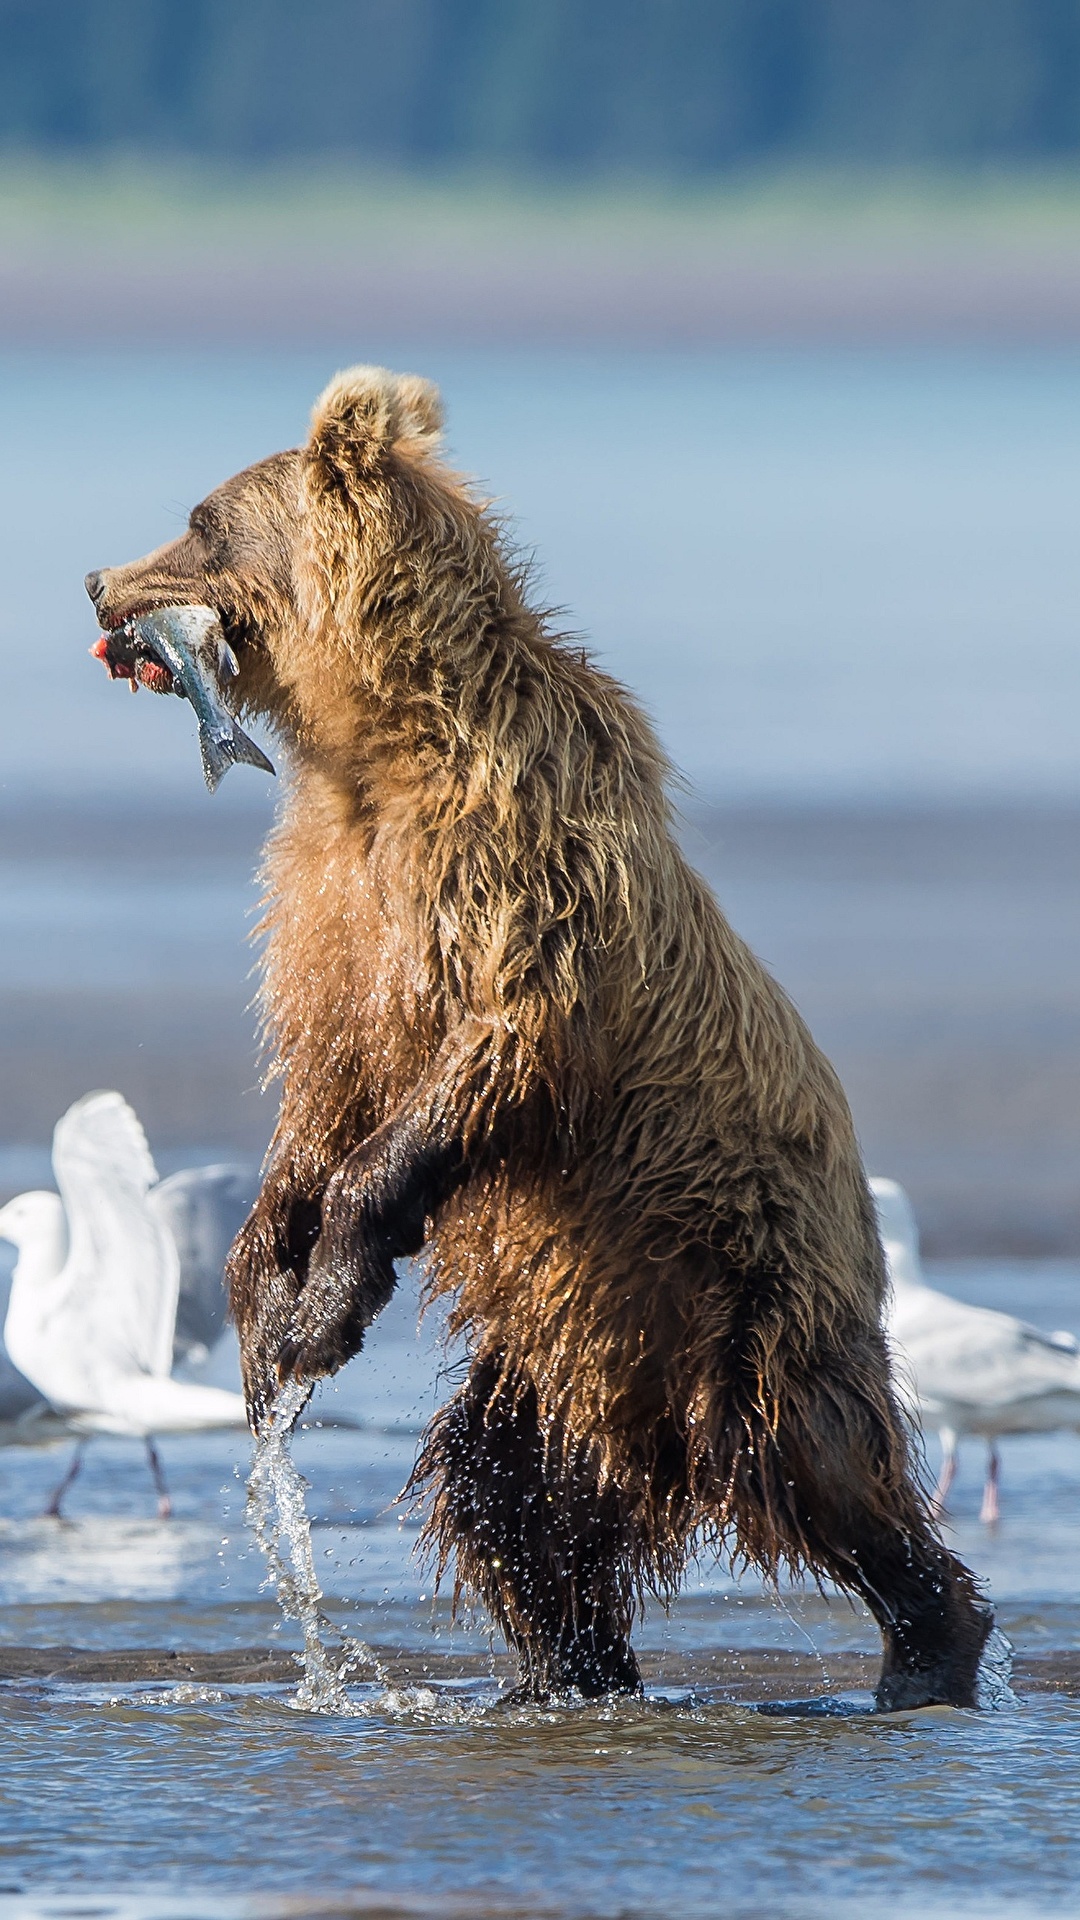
92,1317
967,1369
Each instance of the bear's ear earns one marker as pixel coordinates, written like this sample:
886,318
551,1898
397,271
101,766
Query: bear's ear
420,406
366,409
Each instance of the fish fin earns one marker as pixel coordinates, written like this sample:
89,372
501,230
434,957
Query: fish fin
217,757
245,749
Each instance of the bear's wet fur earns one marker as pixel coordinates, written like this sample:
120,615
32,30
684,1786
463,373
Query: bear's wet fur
516,1033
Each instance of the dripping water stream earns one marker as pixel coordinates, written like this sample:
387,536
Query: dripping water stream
277,1513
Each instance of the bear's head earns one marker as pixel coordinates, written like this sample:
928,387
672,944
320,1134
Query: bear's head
329,565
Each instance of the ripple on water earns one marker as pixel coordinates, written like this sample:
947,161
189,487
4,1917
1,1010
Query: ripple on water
416,1787
624,1807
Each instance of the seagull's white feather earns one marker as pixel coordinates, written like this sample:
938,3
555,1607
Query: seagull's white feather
968,1368
93,1303
143,1405
984,1372
204,1209
122,1275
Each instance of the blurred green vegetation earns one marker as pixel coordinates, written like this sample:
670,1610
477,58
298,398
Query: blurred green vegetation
645,88
106,200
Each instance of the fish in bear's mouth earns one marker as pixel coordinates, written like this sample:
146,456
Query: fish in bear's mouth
183,650
125,655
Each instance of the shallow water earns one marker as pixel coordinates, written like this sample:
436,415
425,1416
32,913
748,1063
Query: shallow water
151,1739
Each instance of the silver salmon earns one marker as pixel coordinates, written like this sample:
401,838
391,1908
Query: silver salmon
190,642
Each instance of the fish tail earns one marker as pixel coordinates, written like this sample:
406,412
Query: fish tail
245,749
220,751
218,755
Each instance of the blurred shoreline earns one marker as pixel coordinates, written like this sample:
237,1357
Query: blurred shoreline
124,254
934,950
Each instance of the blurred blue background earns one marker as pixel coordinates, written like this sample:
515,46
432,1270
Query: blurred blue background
652,86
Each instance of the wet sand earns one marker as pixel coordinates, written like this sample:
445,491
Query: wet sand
748,1675
935,953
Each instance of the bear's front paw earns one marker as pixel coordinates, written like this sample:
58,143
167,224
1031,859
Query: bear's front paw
346,1286
369,1217
263,1295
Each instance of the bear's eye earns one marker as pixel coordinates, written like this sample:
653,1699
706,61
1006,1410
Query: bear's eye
205,525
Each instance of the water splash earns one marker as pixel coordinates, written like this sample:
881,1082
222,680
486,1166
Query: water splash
182,1695
277,1513
993,1693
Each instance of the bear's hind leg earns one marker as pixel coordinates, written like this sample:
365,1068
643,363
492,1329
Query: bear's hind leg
860,1518
533,1534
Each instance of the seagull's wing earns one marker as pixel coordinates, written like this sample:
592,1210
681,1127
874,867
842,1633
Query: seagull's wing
204,1208
1026,1364
122,1273
146,1406
975,1359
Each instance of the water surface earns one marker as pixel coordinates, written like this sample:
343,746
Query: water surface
431,1796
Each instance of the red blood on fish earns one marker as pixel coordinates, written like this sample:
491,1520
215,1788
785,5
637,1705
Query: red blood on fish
116,669
151,673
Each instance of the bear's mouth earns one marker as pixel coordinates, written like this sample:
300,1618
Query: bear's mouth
129,654
182,649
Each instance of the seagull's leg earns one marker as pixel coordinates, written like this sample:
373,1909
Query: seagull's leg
72,1474
947,1475
164,1503
990,1511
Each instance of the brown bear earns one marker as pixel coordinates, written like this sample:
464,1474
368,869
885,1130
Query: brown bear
516,1032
